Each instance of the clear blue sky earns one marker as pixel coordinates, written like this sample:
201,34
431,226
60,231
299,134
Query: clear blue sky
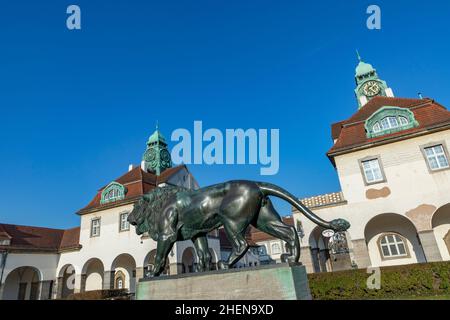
78,106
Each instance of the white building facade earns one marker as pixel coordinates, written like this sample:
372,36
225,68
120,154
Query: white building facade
392,161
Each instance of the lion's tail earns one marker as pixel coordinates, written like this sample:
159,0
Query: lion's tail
269,189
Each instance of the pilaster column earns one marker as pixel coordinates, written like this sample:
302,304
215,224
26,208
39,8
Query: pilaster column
108,280
59,287
429,245
361,253
306,259
80,283
139,274
2,285
175,268
323,257
45,288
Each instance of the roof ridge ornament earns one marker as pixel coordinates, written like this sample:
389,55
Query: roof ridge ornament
357,54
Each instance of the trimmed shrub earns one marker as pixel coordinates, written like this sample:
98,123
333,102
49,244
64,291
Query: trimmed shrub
112,294
413,280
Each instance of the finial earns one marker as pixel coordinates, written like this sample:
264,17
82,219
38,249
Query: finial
157,125
420,95
359,57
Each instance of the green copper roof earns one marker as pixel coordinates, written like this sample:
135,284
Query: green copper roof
156,136
363,68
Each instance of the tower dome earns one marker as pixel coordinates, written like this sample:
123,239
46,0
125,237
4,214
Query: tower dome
364,68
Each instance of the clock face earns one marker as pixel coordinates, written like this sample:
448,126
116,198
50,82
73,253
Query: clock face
150,155
371,88
165,156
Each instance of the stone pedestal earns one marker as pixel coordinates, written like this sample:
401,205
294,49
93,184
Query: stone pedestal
270,282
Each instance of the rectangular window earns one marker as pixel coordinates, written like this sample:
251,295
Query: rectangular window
124,224
436,157
95,227
372,171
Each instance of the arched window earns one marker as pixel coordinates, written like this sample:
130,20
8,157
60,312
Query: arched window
389,120
392,246
113,192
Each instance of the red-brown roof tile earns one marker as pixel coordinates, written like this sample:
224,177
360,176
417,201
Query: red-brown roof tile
39,238
351,133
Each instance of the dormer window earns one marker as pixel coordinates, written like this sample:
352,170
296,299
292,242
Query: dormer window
113,192
389,120
390,123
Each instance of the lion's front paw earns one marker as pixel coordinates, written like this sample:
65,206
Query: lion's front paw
223,265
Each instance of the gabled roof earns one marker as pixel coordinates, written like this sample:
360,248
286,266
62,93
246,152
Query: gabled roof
137,182
351,133
29,238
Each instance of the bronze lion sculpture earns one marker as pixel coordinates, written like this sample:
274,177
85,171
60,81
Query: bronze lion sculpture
172,213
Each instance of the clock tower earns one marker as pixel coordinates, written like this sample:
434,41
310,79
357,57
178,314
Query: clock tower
156,158
368,84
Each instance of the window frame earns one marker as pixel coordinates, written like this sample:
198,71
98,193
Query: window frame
120,221
99,227
363,172
280,251
435,144
405,244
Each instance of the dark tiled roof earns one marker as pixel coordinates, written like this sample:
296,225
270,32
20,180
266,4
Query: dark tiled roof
351,133
137,182
256,235
38,238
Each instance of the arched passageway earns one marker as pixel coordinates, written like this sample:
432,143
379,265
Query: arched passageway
92,275
124,272
188,260
149,263
22,283
392,240
66,281
441,229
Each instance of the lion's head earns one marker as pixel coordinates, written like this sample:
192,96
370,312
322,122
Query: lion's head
149,208
138,216
340,225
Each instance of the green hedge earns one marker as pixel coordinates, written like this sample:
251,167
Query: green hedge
407,281
113,294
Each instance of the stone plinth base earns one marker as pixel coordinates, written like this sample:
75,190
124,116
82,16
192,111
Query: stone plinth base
270,282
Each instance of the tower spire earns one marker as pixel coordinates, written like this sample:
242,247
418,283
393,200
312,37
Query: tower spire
357,54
